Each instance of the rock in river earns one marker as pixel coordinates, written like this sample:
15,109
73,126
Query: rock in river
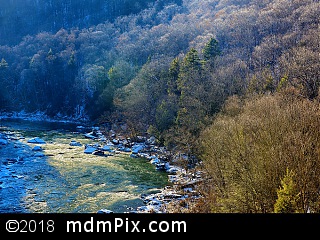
36,140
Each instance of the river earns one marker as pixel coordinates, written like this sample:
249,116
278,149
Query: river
62,178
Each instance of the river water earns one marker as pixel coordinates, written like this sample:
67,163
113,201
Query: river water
64,179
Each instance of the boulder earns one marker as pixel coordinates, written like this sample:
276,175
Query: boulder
104,211
37,148
137,148
90,150
36,140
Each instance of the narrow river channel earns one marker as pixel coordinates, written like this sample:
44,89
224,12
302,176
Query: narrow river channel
62,178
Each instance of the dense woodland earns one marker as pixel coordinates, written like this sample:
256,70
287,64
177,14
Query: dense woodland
234,83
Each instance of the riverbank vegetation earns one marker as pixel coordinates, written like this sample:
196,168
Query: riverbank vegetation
233,84
265,156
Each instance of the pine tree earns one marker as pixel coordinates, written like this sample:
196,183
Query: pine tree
211,50
190,71
174,71
191,86
287,195
192,60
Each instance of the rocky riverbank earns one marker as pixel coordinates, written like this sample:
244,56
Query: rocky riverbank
181,181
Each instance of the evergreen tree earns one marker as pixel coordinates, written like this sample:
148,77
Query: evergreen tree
192,61
166,114
174,71
287,196
190,114
189,74
211,50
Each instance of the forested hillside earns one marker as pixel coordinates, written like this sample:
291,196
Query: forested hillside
233,82
19,18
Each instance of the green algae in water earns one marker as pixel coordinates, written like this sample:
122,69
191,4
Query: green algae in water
69,181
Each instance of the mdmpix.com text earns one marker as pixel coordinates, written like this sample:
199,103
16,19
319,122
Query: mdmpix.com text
125,225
